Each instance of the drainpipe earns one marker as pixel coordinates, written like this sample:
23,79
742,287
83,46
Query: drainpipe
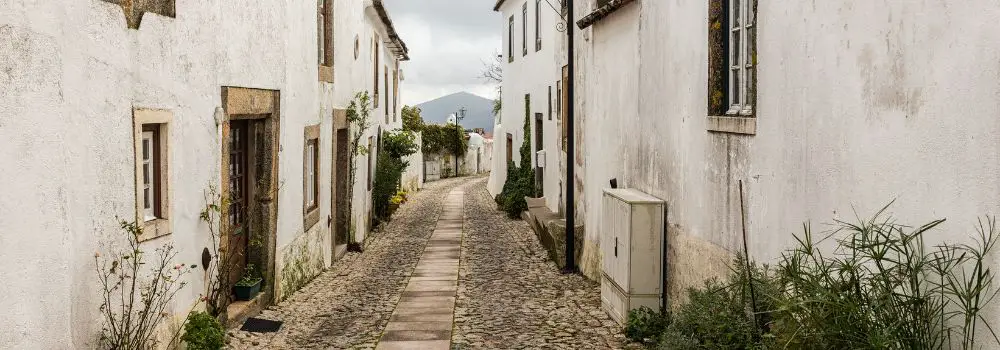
570,145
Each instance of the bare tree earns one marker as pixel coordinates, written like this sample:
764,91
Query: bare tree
493,74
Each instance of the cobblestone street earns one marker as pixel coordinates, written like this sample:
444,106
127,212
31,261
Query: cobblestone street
509,294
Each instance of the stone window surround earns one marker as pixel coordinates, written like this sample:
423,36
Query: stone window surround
718,119
326,67
160,226
310,214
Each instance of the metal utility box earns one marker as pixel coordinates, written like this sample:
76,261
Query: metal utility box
631,247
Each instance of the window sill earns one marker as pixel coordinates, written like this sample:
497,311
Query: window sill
326,74
310,218
154,229
733,125
601,12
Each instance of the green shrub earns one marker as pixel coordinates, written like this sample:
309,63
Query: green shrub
388,174
721,315
882,288
520,180
877,287
203,332
399,144
645,325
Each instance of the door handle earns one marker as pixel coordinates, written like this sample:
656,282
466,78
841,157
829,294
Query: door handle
329,220
616,247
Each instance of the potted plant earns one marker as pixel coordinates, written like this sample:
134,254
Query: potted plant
394,203
248,286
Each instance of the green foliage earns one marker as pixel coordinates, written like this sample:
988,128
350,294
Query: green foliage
645,325
497,106
520,180
388,172
399,144
359,120
250,276
881,288
411,119
876,287
720,315
449,139
203,332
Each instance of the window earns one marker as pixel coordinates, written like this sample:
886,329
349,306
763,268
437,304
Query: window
550,103
395,92
510,39
377,55
385,71
310,177
564,106
524,29
732,66
538,25
324,42
151,134
741,24
510,149
150,171
371,154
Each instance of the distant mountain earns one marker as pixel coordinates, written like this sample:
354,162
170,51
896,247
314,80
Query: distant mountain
478,114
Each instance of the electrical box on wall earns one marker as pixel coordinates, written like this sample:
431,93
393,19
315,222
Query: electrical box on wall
540,158
631,247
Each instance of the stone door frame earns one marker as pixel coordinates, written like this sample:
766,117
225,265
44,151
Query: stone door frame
240,103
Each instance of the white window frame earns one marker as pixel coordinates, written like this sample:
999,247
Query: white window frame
148,157
741,22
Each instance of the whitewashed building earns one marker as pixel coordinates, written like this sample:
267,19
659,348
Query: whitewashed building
534,50
863,103
246,98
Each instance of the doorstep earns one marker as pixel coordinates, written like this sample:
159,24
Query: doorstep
239,311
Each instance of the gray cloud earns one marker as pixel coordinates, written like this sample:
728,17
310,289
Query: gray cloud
448,41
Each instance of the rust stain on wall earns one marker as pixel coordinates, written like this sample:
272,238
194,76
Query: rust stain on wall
134,9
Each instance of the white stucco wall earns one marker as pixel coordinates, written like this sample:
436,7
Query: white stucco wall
863,103
71,75
534,74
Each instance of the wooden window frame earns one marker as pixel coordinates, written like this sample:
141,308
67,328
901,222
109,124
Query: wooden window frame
732,66
324,24
385,73
310,180
377,63
371,154
156,122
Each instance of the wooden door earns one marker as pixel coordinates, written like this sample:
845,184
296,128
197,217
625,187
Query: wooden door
239,197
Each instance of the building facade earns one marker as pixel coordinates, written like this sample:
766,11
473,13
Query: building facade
861,104
135,110
534,54
858,106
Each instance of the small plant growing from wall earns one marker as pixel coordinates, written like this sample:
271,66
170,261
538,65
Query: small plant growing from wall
136,291
358,120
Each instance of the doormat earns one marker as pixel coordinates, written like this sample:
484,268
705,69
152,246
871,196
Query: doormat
259,325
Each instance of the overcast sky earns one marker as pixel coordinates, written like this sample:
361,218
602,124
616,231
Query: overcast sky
448,42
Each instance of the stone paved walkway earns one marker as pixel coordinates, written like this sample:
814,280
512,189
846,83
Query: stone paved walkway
512,296
509,295
423,317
